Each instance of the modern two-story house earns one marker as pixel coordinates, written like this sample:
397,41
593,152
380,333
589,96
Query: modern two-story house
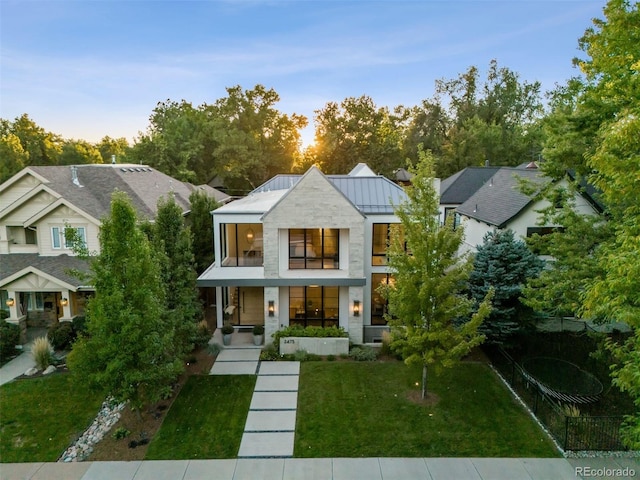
37,207
305,250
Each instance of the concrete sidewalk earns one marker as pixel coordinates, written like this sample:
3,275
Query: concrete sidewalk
332,469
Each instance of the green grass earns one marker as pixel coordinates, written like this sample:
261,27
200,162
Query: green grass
39,418
361,410
206,420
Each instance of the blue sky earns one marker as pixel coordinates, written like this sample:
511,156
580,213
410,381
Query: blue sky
86,69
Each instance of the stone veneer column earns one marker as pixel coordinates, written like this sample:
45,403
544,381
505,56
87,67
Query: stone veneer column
271,324
355,323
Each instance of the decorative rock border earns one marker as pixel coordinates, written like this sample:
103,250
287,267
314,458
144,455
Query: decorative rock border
108,415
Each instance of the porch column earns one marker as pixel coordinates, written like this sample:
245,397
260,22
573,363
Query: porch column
13,309
219,308
15,316
271,324
65,303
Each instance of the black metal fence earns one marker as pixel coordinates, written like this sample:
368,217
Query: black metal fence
572,432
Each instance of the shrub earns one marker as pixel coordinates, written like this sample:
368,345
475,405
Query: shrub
80,324
318,332
42,352
304,356
331,358
270,352
61,335
258,330
4,314
227,329
214,349
9,338
203,334
363,354
121,432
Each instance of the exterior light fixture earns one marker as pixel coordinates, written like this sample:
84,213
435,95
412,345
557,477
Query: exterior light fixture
272,308
10,302
64,302
356,308
250,235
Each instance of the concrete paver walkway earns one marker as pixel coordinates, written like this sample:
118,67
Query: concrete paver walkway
271,422
331,469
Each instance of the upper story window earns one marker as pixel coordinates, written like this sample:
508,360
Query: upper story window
241,244
450,212
60,237
381,238
314,248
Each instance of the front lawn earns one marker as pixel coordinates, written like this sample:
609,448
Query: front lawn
350,409
39,418
206,420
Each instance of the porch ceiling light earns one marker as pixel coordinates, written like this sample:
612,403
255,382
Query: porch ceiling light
250,235
10,302
64,302
272,308
356,308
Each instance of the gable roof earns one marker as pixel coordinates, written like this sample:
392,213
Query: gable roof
457,188
500,199
369,194
96,183
16,265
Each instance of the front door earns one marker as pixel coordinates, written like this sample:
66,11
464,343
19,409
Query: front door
250,306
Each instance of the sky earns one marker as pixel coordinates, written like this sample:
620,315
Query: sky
92,68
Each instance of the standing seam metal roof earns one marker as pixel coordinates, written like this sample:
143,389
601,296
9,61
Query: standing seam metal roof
370,195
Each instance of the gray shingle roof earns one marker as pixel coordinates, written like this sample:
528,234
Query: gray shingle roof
370,195
144,186
499,199
457,188
57,266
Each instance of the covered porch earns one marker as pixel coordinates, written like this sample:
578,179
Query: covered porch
36,298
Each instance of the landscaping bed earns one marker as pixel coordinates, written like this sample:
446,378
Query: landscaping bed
143,427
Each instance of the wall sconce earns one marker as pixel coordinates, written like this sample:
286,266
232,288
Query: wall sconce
250,235
64,302
272,308
10,302
356,308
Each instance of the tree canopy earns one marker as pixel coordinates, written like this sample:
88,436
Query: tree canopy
426,299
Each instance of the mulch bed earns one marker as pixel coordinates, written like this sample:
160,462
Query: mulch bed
145,425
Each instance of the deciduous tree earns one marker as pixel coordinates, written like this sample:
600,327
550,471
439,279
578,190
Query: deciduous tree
426,299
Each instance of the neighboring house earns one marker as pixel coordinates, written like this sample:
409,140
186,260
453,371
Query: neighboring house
456,189
306,250
499,205
38,204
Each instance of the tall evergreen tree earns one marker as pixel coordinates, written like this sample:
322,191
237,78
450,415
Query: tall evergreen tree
504,264
172,241
128,348
202,228
426,297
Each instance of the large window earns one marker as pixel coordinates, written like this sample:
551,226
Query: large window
313,306
381,238
241,244
379,305
314,248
